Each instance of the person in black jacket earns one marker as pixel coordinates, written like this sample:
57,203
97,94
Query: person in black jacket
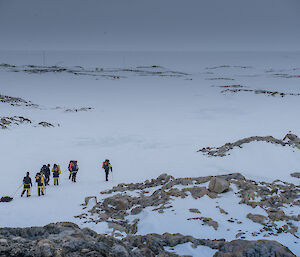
106,166
27,185
39,179
74,168
46,171
56,172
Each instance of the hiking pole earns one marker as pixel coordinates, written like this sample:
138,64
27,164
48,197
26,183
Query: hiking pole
14,194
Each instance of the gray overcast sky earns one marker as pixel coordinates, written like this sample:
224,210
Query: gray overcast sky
150,24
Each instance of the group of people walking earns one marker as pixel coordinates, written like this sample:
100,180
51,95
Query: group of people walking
42,178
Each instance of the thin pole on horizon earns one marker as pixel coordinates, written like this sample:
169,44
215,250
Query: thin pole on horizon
124,61
44,57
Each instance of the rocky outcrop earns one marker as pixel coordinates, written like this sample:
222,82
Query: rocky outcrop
258,92
88,199
117,73
16,101
122,205
6,122
296,174
257,218
221,151
115,209
60,239
218,185
241,248
68,240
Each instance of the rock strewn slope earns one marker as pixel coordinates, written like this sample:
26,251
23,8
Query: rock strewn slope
125,201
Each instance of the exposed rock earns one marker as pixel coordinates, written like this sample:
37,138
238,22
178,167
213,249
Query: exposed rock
207,221
136,210
218,185
45,124
16,101
6,122
60,239
276,215
260,248
82,109
296,174
223,150
222,210
292,138
116,226
194,210
257,218
258,91
97,72
196,192
87,200
131,199
67,239
239,234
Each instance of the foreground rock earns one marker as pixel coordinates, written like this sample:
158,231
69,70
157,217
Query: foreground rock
67,239
218,185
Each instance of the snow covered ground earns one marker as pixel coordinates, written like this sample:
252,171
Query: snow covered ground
146,125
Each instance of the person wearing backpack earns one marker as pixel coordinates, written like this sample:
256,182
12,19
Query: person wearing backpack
56,172
106,166
46,171
39,179
74,170
70,168
27,184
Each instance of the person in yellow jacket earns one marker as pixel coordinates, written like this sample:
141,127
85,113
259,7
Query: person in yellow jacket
56,172
40,180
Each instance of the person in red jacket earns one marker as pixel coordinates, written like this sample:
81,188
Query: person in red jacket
106,166
73,168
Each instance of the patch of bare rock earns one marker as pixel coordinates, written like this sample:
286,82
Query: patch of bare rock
295,174
258,92
16,101
97,72
6,122
67,239
293,141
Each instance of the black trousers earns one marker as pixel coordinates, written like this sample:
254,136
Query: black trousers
106,174
47,179
74,176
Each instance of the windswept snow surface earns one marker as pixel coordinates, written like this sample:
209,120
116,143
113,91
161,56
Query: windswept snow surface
146,125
